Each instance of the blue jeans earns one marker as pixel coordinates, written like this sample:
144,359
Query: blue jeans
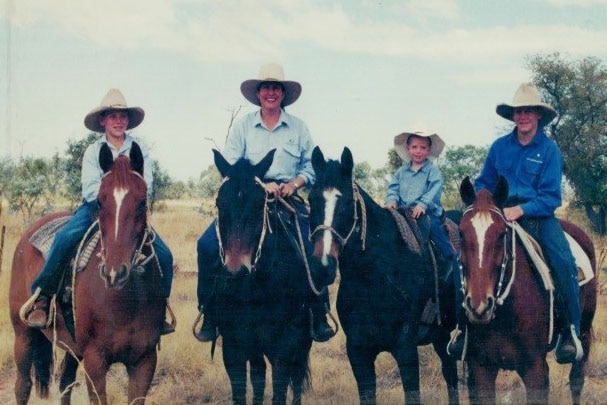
68,238
551,237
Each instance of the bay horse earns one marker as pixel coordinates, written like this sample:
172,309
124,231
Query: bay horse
384,284
507,304
118,307
263,287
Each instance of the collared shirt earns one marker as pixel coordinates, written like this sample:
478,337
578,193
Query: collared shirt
251,139
91,170
533,171
423,187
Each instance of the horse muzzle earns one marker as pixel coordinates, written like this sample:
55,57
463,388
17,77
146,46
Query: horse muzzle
481,313
115,277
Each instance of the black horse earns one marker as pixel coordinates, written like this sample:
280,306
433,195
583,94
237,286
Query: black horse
385,282
263,288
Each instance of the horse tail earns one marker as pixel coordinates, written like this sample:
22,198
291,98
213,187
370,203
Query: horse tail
42,352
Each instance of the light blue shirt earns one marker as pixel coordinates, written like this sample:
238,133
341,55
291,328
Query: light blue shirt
424,187
91,170
251,139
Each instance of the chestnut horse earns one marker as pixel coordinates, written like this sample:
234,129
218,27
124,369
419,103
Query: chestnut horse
507,304
385,283
263,288
118,305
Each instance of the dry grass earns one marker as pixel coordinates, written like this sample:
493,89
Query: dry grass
186,373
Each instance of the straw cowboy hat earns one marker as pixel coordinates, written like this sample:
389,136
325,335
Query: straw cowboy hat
271,72
527,96
400,144
113,100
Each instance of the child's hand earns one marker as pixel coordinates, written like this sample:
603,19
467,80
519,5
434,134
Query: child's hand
418,211
390,205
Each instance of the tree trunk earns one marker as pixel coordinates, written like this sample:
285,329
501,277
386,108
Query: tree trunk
597,219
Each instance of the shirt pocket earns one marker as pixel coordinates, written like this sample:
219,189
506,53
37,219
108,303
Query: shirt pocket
532,167
289,156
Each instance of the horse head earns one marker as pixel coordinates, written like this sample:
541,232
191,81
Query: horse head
242,211
333,211
122,214
484,246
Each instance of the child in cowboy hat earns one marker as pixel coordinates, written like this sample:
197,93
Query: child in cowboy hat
112,118
252,137
418,184
533,165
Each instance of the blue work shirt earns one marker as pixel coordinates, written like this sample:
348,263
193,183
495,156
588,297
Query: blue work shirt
251,139
92,173
423,187
533,171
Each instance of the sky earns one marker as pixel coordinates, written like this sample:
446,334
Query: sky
369,69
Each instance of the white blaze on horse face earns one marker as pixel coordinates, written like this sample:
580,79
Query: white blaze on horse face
119,194
331,197
481,222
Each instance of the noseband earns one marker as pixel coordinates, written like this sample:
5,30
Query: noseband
358,199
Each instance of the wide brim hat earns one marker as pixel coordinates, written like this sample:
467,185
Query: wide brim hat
113,100
271,72
527,96
400,145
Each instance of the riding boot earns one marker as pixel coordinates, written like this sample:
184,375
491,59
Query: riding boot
38,317
208,331
569,347
321,331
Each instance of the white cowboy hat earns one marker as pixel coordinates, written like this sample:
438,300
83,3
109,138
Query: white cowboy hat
400,144
113,100
271,72
527,96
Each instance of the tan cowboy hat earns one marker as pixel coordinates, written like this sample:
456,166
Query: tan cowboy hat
400,144
526,96
113,100
271,72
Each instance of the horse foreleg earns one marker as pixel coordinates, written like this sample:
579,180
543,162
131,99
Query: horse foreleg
448,368
537,381
235,362
140,377
481,383
408,366
363,367
69,367
96,369
576,379
258,378
280,382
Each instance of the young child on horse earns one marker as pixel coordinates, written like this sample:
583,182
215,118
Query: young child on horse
418,185
112,119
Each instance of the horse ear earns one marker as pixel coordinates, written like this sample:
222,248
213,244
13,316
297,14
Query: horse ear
318,160
347,162
136,157
222,164
263,166
106,159
500,194
466,191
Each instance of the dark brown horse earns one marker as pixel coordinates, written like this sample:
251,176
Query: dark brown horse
118,305
385,282
507,303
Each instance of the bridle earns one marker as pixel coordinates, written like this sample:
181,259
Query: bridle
508,255
343,240
264,229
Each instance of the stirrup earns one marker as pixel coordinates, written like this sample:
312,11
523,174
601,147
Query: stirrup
453,343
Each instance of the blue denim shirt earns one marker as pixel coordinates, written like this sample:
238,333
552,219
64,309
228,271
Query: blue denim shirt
533,171
423,187
251,139
92,173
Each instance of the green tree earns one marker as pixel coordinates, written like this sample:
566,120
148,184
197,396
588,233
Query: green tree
577,89
456,163
73,166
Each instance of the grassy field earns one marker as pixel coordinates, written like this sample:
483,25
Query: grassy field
186,374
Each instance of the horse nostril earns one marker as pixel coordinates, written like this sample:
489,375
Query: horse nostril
490,302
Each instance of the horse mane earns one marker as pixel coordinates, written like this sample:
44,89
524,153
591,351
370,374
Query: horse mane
121,171
484,200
